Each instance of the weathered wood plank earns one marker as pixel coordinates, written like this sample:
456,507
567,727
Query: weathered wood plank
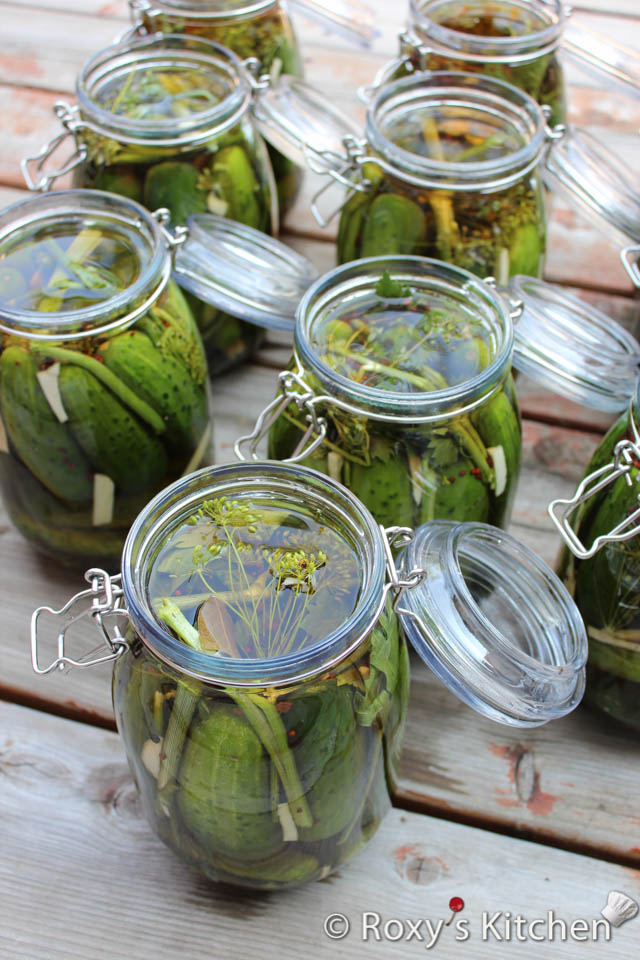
83,875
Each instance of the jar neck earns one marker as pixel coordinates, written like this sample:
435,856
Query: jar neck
449,284
541,24
118,63
211,11
490,104
264,483
93,209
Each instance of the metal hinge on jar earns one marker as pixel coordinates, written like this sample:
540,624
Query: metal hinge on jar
626,458
69,119
102,601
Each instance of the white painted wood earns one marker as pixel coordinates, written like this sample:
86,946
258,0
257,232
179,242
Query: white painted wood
83,877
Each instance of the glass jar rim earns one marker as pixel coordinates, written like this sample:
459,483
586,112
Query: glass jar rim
201,9
499,100
435,275
139,53
100,208
262,478
526,46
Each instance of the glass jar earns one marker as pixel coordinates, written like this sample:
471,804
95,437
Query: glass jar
400,385
450,166
103,379
266,763
166,121
406,388
600,565
260,29
514,40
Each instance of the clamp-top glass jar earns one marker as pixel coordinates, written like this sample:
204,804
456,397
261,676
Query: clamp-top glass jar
401,388
166,121
258,29
514,40
600,565
450,166
103,378
261,702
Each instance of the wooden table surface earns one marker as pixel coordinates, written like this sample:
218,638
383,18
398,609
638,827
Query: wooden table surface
519,821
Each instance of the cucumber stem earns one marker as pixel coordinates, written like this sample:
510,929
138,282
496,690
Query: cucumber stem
108,378
171,614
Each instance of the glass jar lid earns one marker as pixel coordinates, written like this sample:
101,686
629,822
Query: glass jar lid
297,119
494,623
242,271
571,348
596,183
163,89
78,262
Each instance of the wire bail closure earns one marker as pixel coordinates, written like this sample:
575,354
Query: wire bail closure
105,597
305,400
630,261
626,457
71,124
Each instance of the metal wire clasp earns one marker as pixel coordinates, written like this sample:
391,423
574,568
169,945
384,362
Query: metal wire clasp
399,537
293,389
340,168
71,124
176,237
104,598
626,456
629,257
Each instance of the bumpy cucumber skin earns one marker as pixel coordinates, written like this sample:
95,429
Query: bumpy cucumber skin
385,488
164,382
122,181
460,496
393,224
498,423
112,437
224,788
526,250
173,184
45,445
238,186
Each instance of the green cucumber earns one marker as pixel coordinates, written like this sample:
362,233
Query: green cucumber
525,250
112,437
238,186
174,185
498,423
350,227
385,488
119,180
460,496
290,866
45,445
394,224
164,382
224,788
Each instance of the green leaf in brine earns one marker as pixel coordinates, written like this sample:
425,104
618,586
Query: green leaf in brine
389,289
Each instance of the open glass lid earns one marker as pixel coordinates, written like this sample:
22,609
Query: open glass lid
349,18
493,623
596,183
242,271
297,119
602,55
571,348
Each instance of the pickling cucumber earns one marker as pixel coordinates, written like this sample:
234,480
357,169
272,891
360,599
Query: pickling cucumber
394,224
224,789
238,186
525,250
461,496
498,423
45,445
112,437
385,488
174,185
164,382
